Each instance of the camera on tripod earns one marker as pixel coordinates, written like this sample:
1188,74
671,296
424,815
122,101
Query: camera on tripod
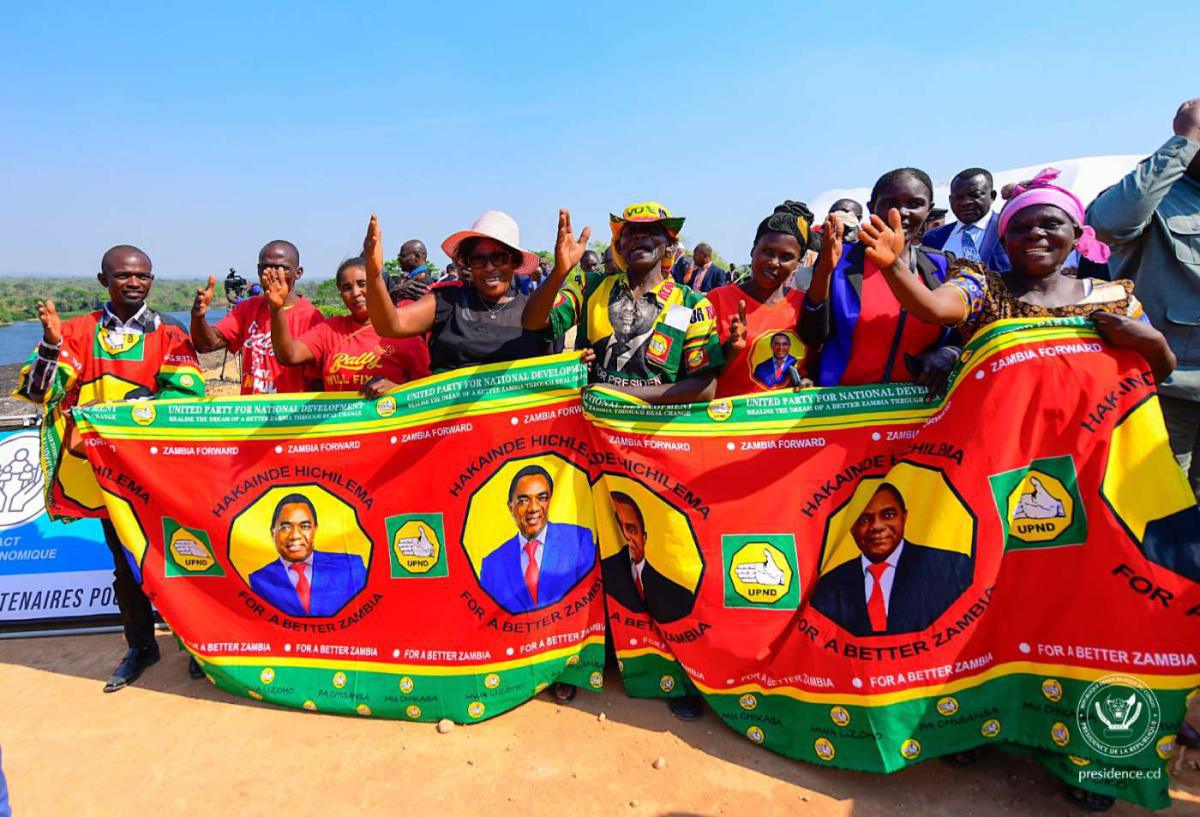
235,286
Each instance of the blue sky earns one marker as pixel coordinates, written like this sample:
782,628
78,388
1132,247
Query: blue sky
199,132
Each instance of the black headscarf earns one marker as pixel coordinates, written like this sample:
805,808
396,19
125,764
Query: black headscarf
792,218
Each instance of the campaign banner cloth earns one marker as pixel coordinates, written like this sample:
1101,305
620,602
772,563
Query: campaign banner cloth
857,578
429,554
48,570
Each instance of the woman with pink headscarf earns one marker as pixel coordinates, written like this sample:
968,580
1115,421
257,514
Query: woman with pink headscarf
1040,226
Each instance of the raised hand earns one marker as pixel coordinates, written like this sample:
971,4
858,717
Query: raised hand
884,242
274,287
738,328
1187,120
204,297
51,323
832,240
567,248
373,249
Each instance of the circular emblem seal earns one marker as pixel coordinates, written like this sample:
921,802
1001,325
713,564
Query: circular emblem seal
386,406
1079,761
339,679
1165,745
267,675
1060,734
406,685
840,716
475,710
990,728
491,680
1118,715
310,706
947,706
666,683
747,701
143,414
596,680
620,665
824,749
413,711
1052,689
255,695
720,410
755,734
910,749
573,660
363,709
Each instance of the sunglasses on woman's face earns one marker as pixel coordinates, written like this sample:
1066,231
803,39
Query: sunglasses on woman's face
498,259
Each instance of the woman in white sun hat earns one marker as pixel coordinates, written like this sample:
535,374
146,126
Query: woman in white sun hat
469,323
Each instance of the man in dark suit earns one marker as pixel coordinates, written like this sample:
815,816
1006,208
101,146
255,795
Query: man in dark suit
705,274
895,586
304,582
632,580
976,234
772,372
545,559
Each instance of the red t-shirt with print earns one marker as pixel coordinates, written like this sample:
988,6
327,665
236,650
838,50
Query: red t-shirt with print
349,354
760,366
247,328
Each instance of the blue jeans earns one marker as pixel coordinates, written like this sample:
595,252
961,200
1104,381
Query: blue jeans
5,810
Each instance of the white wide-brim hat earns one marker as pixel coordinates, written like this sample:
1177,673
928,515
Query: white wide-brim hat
498,226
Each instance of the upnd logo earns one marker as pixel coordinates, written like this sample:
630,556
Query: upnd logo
1118,716
1040,505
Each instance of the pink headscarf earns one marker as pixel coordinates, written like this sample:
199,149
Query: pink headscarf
1040,191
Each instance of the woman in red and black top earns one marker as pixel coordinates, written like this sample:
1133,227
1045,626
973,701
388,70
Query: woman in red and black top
346,348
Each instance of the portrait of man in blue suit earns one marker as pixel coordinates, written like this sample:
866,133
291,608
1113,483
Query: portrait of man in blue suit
305,582
893,586
772,372
545,559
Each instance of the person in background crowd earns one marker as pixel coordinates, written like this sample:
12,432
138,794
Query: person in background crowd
1040,226
124,351
758,319
937,218
706,275
850,213
414,261
610,261
470,322
1152,220
864,335
346,349
975,236
681,270
650,336
247,327
589,262
451,273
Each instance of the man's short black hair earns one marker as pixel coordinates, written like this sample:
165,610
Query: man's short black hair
528,471
783,335
293,499
894,491
626,499
972,172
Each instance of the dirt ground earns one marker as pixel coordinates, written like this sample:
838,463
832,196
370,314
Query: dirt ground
170,745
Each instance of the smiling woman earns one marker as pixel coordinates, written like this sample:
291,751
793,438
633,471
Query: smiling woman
469,323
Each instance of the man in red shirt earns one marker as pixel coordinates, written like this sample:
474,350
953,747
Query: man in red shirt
247,327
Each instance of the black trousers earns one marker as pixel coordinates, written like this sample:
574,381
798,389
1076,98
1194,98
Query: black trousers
137,615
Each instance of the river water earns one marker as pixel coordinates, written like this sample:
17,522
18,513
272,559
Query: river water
18,340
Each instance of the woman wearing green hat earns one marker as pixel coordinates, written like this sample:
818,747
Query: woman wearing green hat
649,334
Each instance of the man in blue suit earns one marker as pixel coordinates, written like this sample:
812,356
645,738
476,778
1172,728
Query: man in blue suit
976,234
304,582
772,372
545,559
894,586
